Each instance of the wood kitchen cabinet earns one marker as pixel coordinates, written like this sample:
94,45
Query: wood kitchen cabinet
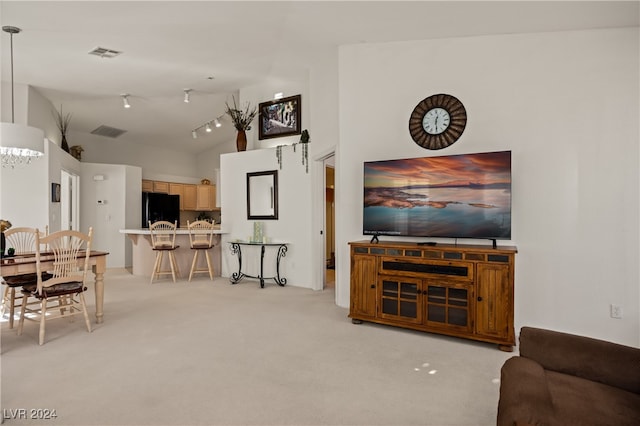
206,198
177,189
162,187
190,195
147,185
463,291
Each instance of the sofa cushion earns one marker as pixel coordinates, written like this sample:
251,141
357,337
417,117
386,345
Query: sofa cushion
524,395
577,401
585,357
530,395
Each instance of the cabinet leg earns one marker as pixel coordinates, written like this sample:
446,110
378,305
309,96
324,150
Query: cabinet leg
356,321
505,348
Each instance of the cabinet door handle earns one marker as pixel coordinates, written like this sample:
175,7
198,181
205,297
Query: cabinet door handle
479,298
373,286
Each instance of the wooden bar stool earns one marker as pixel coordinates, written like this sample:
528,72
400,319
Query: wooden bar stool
163,240
201,240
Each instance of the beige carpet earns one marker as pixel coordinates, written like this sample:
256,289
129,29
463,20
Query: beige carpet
211,353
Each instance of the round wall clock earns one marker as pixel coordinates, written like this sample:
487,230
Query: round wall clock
437,121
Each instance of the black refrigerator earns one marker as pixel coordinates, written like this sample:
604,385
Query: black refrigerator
160,207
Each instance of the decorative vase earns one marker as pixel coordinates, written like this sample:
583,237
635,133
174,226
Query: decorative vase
64,144
241,140
257,232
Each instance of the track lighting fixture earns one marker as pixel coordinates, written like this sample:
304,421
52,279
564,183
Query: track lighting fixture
186,95
125,101
207,126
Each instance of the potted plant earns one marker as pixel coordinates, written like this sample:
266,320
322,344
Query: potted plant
241,121
62,122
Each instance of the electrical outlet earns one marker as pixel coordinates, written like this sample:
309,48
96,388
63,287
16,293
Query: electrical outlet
616,311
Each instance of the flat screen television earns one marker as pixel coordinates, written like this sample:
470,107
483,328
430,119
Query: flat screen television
454,196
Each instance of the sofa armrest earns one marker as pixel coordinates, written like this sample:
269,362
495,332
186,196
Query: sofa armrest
592,359
524,395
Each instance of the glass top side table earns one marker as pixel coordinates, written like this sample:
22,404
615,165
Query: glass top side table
236,248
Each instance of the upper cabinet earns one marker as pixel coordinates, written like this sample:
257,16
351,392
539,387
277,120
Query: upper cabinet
162,187
177,189
192,197
206,198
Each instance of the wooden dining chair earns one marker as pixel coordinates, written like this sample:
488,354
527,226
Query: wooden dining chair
201,241
163,240
64,290
23,241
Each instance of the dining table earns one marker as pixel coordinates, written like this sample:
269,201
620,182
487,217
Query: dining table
26,263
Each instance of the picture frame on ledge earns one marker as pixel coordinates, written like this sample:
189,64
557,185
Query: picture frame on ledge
55,192
279,118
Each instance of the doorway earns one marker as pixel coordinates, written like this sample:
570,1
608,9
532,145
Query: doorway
69,201
329,226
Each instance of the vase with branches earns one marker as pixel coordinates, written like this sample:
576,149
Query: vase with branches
62,122
241,119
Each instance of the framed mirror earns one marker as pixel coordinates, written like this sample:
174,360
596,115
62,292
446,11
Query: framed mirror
262,195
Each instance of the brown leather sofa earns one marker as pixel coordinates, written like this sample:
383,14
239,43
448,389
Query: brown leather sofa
564,379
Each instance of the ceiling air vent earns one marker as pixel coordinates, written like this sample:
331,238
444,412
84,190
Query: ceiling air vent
109,132
104,52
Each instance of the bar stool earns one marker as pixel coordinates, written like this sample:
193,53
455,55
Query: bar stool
163,240
201,240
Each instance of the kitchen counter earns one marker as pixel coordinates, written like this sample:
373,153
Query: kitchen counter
144,257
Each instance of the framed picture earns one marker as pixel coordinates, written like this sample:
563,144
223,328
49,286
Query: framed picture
280,117
55,192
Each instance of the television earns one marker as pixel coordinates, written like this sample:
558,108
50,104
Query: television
454,196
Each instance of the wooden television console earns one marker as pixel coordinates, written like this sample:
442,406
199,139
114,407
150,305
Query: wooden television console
458,290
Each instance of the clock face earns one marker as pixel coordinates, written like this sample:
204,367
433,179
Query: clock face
437,121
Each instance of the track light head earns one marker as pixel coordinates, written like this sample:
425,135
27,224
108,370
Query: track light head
208,128
194,134
217,123
125,101
186,95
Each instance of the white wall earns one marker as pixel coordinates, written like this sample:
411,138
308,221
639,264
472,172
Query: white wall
59,160
567,106
20,106
121,194
293,224
152,160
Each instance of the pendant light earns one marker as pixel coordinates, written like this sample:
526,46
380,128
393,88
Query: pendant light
19,144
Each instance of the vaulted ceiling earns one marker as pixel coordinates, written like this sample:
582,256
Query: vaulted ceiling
215,48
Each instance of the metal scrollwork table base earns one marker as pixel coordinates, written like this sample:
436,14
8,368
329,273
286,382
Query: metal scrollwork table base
236,248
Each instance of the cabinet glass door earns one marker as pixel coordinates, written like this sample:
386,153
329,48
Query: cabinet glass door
400,299
448,305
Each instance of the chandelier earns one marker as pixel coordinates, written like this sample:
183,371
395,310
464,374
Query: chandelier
19,144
